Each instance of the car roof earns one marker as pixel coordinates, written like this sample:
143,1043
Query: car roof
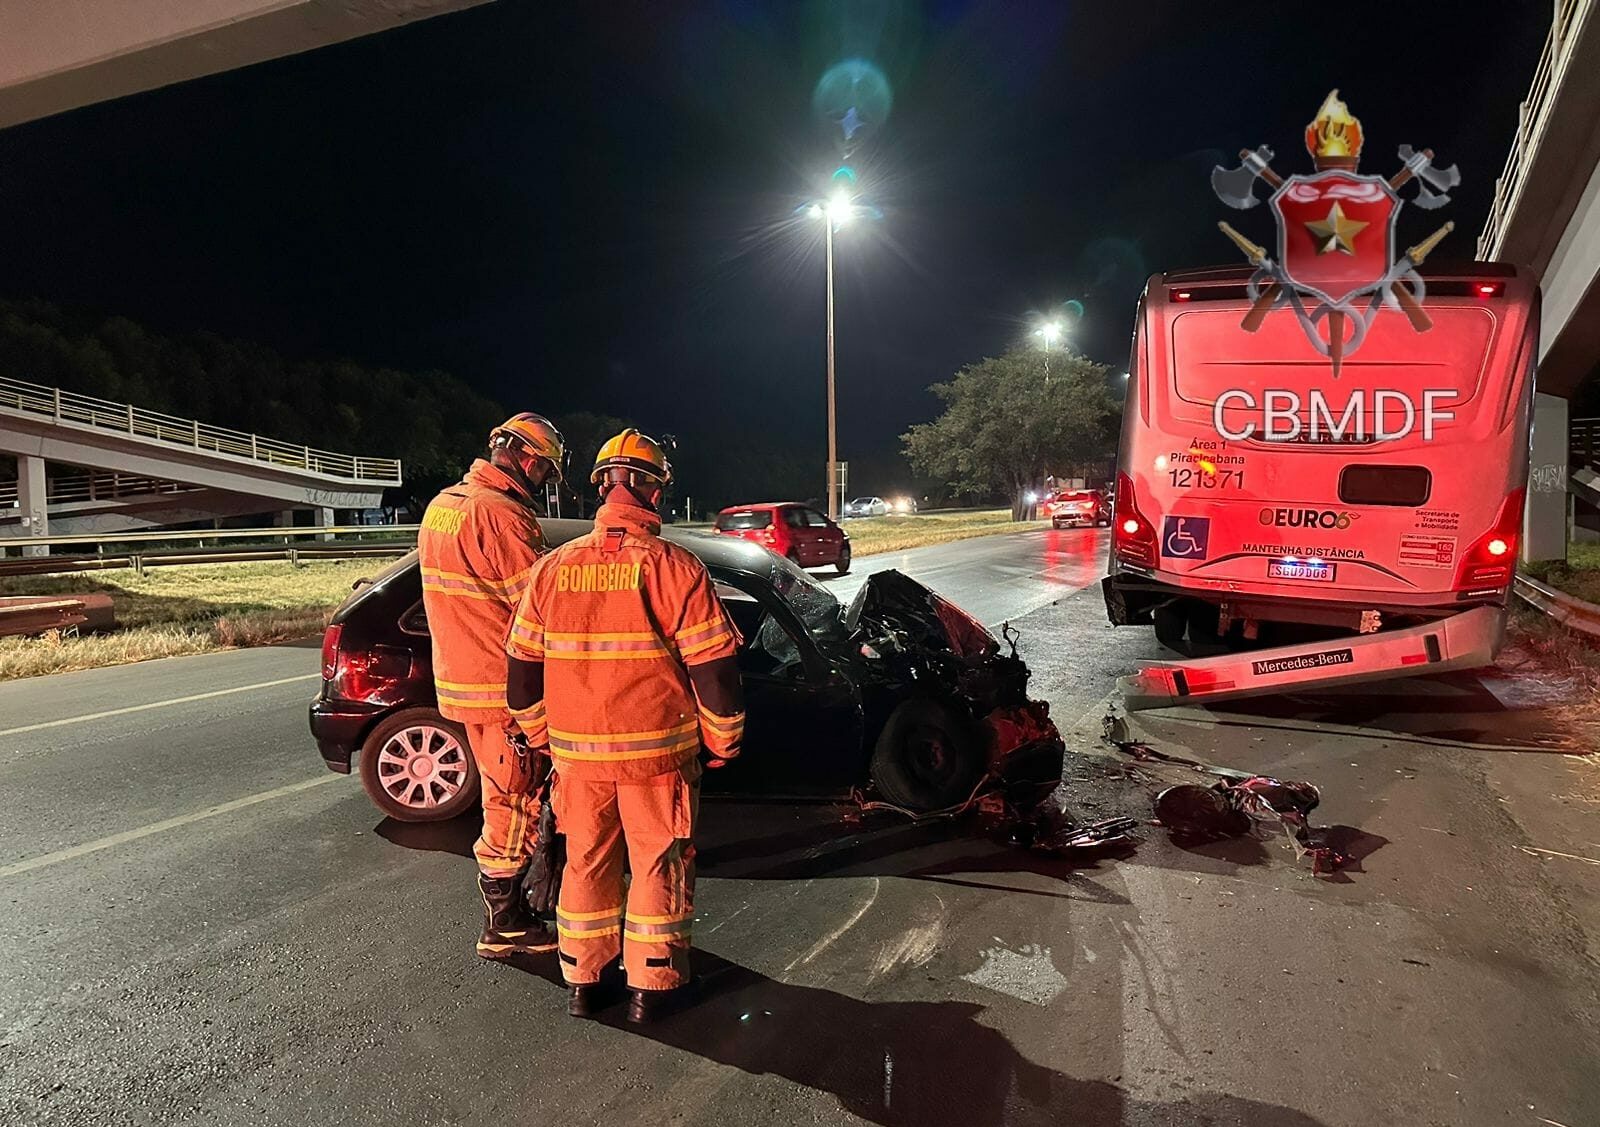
763,506
724,552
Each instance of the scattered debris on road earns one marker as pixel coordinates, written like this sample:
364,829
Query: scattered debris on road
1231,806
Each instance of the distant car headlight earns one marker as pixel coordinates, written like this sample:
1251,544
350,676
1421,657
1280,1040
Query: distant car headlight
1031,498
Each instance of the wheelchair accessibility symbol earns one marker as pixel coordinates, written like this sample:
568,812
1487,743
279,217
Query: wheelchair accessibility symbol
1185,538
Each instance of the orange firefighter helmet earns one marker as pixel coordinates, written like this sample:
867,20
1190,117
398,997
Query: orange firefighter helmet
631,456
534,434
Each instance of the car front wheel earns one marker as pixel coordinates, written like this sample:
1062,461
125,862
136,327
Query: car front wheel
416,766
928,757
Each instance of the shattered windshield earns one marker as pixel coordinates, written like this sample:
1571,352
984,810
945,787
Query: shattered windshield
812,603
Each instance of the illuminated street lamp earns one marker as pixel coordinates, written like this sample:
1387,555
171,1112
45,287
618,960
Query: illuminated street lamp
1048,333
839,210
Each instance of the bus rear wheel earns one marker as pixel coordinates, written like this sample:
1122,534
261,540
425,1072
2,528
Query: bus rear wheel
1172,626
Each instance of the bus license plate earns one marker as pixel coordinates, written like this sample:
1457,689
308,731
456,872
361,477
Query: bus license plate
1316,572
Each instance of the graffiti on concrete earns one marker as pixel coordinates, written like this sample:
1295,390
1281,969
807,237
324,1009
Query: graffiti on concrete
1548,478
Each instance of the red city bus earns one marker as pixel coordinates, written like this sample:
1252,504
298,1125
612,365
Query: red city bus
1255,488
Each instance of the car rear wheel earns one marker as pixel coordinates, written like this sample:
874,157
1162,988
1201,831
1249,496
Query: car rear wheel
416,766
843,562
928,757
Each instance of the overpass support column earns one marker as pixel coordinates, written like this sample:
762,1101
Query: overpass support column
31,501
325,520
1544,522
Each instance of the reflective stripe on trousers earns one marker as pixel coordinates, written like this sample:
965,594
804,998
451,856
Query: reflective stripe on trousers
510,819
653,820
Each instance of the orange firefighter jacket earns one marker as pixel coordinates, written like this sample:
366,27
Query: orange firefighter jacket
617,618
477,542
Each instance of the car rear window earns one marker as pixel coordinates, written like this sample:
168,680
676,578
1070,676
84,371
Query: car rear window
1404,486
745,520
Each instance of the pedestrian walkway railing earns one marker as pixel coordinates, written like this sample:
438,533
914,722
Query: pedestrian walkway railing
60,406
97,486
1531,121
1583,442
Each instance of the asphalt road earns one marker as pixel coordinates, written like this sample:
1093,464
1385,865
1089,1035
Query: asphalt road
200,925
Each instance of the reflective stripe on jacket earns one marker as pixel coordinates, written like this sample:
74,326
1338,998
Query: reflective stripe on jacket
617,617
476,545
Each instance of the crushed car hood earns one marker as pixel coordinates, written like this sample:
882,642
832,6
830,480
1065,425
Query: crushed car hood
924,620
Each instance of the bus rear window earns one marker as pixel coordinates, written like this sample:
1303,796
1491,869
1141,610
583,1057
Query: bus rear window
741,522
1404,486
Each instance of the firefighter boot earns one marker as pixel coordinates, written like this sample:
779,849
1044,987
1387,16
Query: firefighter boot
509,927
645,1006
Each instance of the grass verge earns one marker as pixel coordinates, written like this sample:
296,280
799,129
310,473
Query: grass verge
874,535
184,610
175,611
1579,576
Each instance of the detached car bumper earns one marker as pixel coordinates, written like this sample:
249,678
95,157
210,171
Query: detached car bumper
339,726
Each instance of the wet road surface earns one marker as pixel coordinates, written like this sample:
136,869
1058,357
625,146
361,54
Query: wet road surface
200,925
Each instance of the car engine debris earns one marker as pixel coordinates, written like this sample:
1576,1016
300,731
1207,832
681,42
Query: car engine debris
1231,806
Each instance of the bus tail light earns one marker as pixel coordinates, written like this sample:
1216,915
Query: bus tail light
1492,559
1133,537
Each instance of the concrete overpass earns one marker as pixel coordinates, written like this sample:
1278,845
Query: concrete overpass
160,469
58,55
1546,215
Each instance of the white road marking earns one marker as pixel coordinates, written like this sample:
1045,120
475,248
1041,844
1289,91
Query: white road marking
156,704
161,827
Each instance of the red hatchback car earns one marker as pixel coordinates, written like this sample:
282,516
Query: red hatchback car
1074,508
790,529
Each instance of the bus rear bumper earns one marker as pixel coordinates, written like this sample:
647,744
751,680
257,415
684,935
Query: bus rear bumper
1463,641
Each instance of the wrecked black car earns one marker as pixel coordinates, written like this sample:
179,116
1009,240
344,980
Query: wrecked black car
902,695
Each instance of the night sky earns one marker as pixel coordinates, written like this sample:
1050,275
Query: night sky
592,206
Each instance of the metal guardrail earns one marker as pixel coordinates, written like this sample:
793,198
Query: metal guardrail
1530,126
201,535
1575,614
124,418
139,561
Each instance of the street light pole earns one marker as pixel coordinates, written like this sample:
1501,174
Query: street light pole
833,446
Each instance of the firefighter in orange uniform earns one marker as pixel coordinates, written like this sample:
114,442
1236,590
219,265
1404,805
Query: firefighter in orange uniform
622,665
477,542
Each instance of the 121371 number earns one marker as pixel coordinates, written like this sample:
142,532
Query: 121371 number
1190,478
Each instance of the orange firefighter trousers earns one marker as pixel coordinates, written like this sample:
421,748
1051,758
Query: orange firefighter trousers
653,819
510,811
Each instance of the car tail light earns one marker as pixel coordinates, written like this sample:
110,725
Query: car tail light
371,675
1492,559
330,652
1487,289
1134,537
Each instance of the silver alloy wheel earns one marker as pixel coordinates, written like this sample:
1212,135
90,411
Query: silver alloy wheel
422,766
